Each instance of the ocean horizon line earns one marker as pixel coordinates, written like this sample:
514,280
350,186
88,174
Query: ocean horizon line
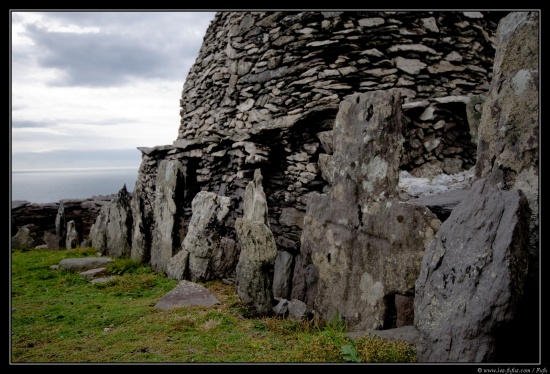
51,185
98,168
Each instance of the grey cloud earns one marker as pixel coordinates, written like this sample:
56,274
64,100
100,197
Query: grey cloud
128,46
133,18
43,124
101,122
15,107
30,124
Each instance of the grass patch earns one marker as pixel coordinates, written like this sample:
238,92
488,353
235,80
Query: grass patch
58,316
376,349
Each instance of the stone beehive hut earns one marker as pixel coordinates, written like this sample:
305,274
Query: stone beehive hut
292,172
264,93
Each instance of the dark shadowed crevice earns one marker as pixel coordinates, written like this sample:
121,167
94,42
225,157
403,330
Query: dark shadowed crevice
390,316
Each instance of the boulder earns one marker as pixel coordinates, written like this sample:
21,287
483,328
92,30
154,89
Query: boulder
51,240
186,294
22,239
78,265
472,277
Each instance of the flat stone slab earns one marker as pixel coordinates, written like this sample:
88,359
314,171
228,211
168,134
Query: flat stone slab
447,199
94,272
187,294
83,263
441,204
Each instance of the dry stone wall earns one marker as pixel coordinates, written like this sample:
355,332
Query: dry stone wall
266,87
47,223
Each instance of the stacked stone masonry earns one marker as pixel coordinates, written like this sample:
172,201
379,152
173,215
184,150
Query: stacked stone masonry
266,87
47,222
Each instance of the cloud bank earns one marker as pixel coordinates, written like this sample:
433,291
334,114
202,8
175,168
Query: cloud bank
85,85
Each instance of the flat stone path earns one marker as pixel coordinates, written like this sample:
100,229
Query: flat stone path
187,294
184,294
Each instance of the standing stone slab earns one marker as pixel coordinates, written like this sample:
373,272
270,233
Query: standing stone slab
169,213
368,144
509,144
111,233
282,276
365,244
255,266
60,224
255,201
204,237
509,124
254,271
141,230
119,225
472,277
51,240
71,238
360,268
98,231
206,254
509,133
305,276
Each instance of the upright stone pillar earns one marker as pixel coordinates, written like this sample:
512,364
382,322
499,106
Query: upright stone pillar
254,275
169,213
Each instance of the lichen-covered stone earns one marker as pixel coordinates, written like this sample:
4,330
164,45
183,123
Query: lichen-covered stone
254,270
365,244
205,253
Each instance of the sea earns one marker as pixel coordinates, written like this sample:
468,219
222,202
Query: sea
51,186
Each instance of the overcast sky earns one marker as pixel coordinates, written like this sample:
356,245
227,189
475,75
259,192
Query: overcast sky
88,88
